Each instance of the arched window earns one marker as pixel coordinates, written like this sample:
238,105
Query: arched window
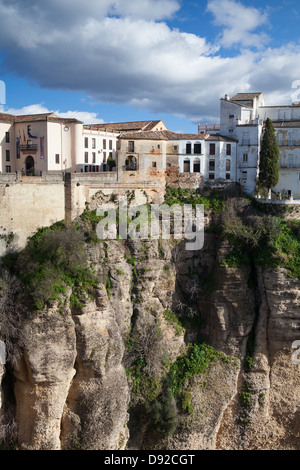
197,148
186,165
188,148
197,165
131,163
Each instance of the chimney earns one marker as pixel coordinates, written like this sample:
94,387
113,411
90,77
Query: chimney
227,97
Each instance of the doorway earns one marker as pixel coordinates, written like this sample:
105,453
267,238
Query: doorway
29,166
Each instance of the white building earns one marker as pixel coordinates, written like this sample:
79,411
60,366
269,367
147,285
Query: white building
213,156
242,117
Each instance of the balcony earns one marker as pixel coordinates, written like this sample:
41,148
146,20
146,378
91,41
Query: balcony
29,148
208,128
289,166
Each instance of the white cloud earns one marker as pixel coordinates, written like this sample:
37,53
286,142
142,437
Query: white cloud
121,52
85,117
239,23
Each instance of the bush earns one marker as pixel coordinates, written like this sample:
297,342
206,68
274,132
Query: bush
54,259
162,415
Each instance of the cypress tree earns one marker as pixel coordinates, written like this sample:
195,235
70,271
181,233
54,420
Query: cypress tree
269,158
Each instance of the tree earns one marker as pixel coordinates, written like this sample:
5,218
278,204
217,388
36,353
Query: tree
269,158
111,163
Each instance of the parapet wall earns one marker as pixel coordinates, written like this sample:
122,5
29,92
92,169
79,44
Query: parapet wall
29,203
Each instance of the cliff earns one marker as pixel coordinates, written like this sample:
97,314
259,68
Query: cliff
168,349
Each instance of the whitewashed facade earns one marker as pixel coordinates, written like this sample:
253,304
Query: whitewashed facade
212,156
242,117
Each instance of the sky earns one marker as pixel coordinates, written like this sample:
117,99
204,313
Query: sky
128,60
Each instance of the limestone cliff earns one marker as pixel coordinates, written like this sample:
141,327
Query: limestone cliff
88,373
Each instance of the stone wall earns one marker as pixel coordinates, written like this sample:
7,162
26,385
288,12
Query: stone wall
29,203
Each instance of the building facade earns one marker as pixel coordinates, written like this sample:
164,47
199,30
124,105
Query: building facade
242,117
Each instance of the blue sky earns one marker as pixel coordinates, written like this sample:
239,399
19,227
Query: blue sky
125,60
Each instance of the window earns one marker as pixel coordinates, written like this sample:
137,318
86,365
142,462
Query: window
7,138
57,158
8,155
169,166
228,165
186,166
211,165
211,176
196,165
228,176
93,143
153,164
86,157
110,145
291,139
197,148
228,149
231,116
86,143
104,143
175,148
8,169
104,157
94,157
131,146
279,139
188,149
158,146
244,176
212,149
245,157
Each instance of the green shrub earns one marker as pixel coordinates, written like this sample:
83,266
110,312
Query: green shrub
162,415
196,361
54,259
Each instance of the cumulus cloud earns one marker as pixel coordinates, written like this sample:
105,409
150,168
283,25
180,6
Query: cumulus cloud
239,23
123,52
84,116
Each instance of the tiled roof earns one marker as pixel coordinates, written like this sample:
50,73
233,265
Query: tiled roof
125,126
6,117
169,135
34,117
43,117
245,96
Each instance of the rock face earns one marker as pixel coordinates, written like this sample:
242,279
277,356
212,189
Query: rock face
71,388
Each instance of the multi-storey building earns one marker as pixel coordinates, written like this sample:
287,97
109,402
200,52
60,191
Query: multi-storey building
39,143
151,153
242,117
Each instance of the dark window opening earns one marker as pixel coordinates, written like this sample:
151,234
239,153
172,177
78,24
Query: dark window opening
197,148
197,166
188,149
